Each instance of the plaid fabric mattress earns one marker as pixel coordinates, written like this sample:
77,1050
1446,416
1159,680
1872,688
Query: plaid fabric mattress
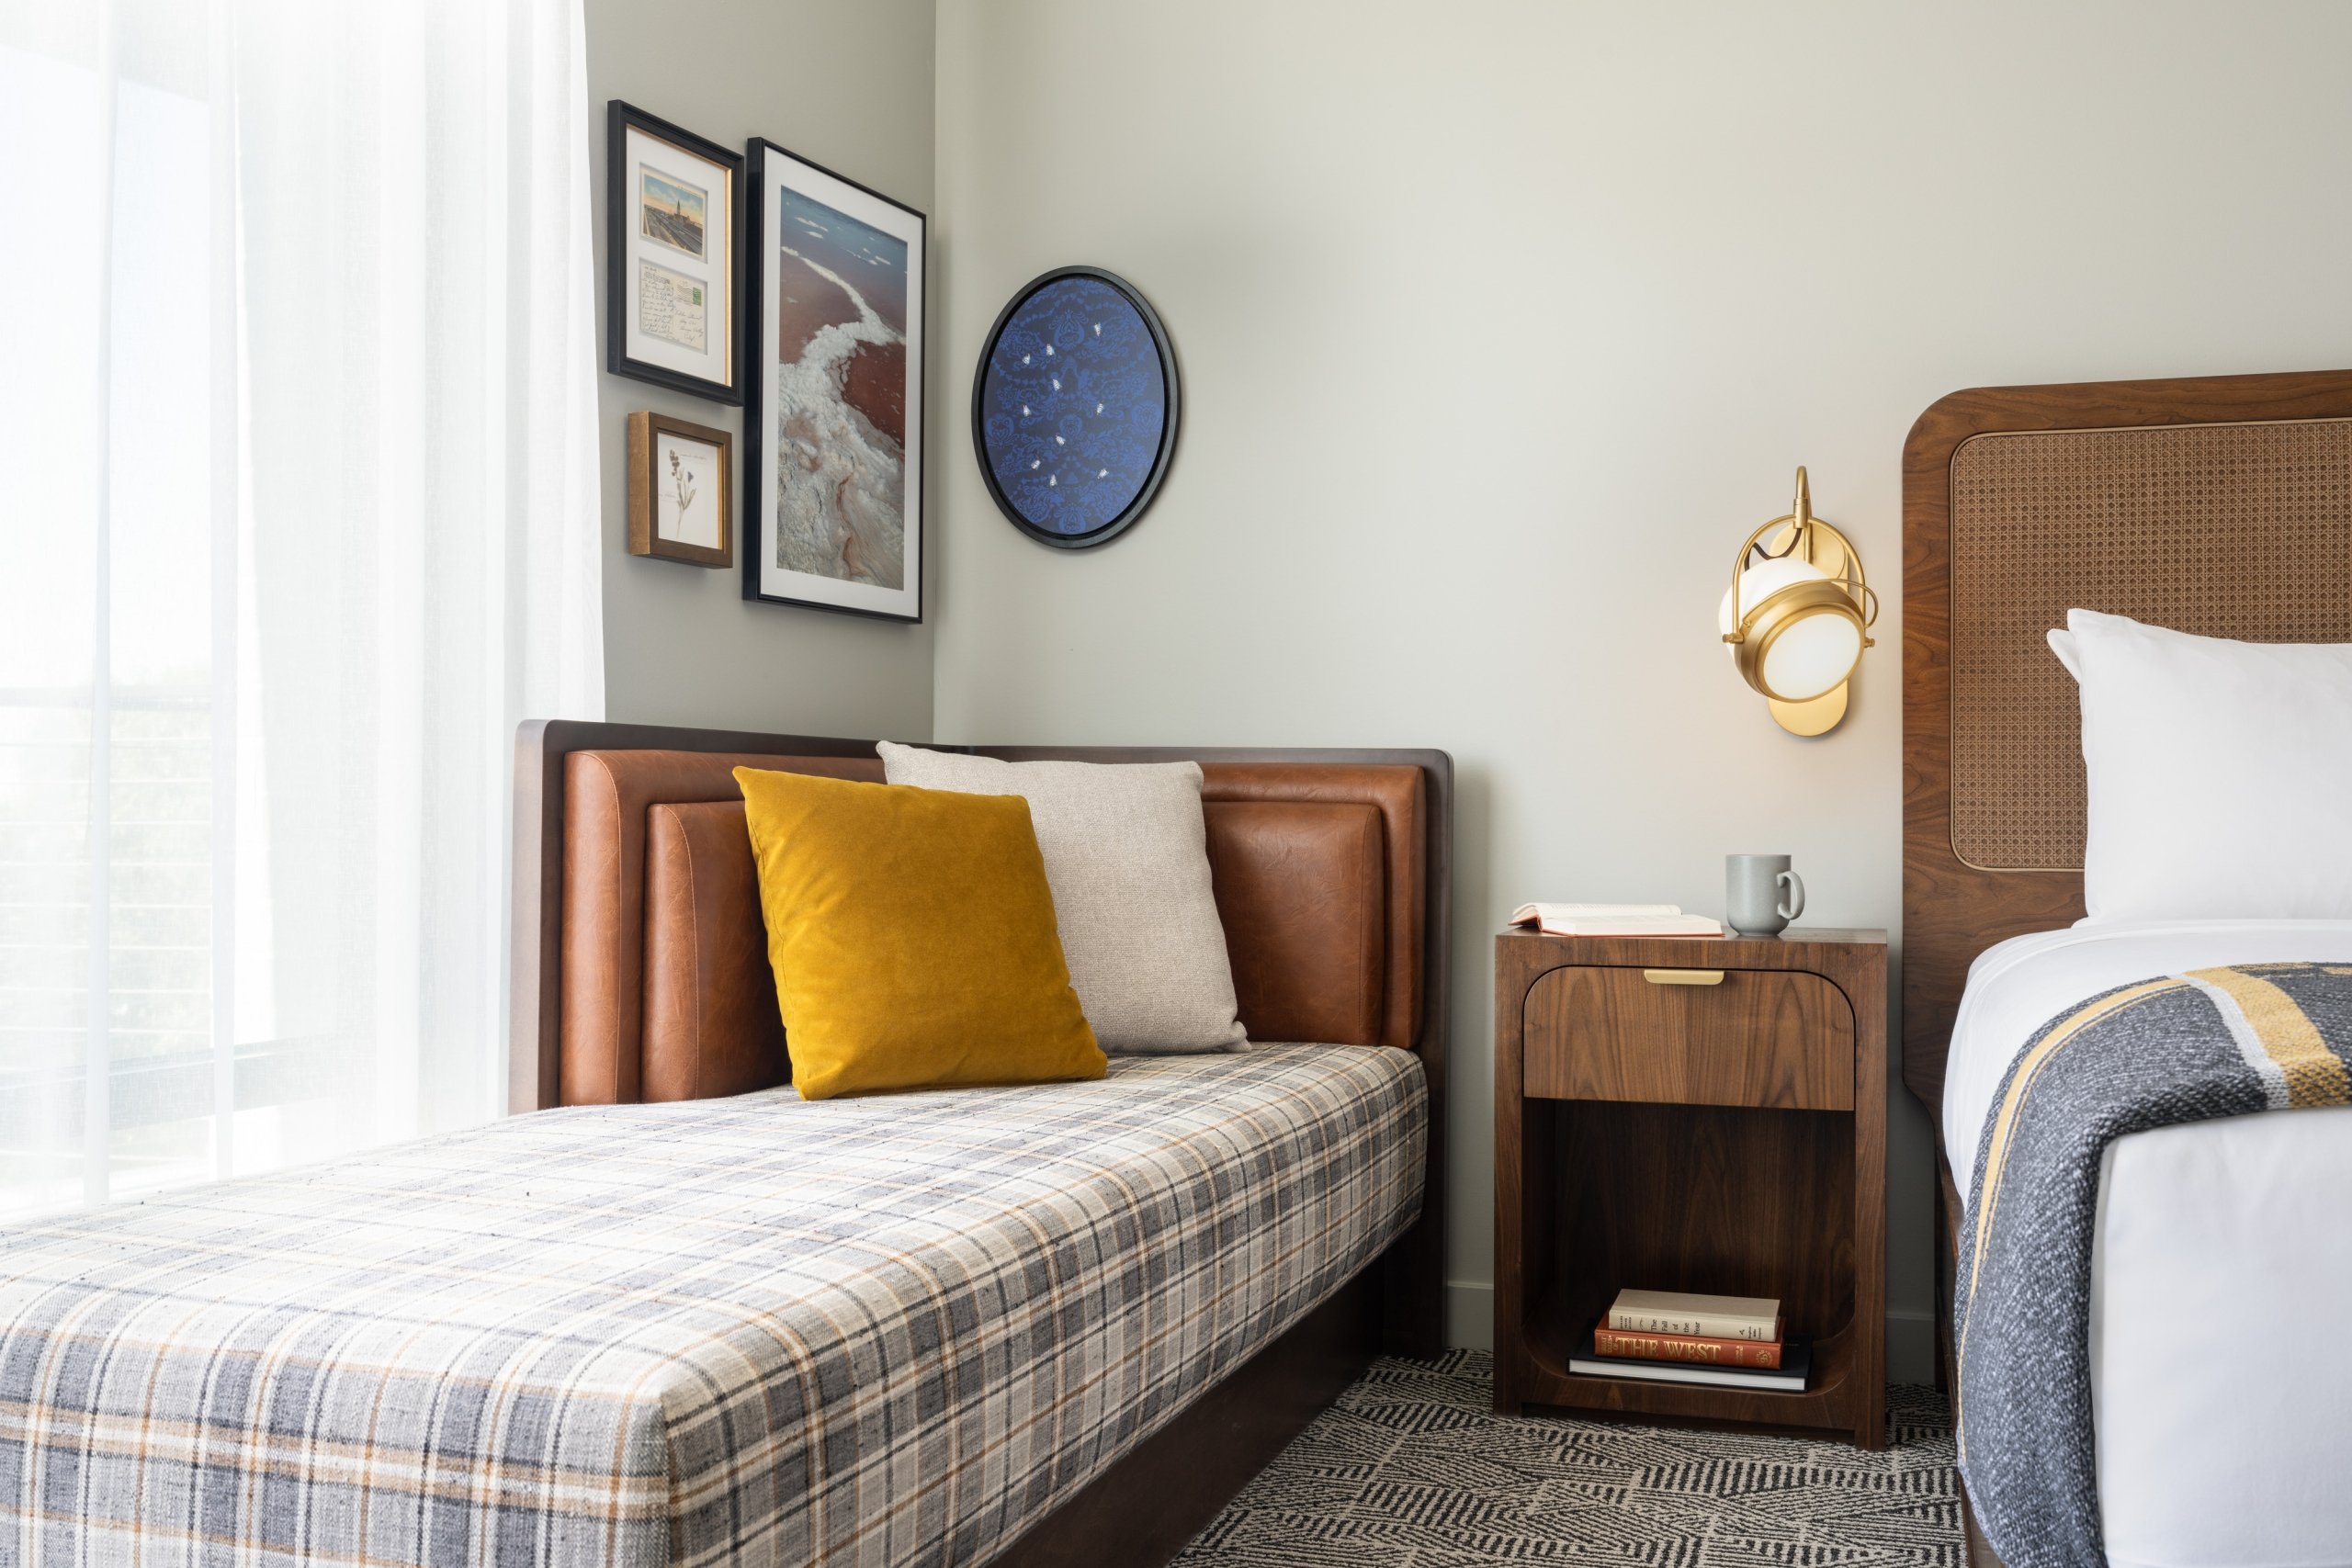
890,1330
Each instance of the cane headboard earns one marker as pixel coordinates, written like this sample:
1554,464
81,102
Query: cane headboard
2220,504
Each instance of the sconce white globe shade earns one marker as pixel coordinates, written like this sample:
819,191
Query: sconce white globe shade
1808,636
1809,659
1758,583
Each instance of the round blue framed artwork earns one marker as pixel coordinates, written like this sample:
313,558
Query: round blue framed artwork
1074,407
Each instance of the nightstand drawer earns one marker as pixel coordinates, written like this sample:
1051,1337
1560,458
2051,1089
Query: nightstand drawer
1760,1037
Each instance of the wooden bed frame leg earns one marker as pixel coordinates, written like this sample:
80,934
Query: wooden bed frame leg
1947,1234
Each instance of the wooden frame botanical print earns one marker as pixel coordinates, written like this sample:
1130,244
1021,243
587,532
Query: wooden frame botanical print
681,490
833,407
672,264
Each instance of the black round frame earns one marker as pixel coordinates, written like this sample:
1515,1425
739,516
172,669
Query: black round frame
1161,459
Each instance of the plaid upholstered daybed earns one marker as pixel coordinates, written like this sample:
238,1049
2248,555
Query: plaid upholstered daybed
749,1330
726,1327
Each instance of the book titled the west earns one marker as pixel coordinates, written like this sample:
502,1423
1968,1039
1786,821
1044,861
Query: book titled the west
1694,1349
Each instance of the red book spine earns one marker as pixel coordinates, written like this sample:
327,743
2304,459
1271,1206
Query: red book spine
1608,1341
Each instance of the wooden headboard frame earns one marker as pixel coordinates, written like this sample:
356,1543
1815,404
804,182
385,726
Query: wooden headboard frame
2274,503
1415,1274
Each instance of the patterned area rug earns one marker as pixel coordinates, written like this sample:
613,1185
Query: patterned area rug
1413,1469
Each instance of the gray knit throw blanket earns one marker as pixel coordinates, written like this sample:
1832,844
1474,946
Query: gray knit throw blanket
2179,1048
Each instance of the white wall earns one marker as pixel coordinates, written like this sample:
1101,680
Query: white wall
1500,323
849,86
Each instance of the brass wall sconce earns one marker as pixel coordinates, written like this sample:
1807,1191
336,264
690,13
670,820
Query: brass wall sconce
1798,616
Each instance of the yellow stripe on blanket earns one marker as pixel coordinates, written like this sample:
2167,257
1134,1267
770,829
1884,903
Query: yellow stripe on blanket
2314,1075
1989,1191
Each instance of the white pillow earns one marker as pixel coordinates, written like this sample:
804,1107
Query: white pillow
1126,856
2221,773
2061,643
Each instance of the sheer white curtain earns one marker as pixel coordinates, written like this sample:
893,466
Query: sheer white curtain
298,453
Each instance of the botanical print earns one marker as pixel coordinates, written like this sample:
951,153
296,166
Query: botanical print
686,491
840,414
671,211
671,307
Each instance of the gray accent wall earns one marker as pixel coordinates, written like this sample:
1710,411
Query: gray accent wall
850,87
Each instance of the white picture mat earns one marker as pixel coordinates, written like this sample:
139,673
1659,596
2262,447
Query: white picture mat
699,525
777,171
715,362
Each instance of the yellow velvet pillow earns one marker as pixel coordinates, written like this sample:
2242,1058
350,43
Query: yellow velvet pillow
912,935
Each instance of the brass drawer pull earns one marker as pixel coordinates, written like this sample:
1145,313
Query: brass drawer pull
1683,976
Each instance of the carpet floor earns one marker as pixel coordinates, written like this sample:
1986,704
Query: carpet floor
1413,1469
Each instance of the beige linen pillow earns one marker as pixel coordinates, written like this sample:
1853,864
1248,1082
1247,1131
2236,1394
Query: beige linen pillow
1126,856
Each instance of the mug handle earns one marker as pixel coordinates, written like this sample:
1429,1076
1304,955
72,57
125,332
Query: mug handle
1796,885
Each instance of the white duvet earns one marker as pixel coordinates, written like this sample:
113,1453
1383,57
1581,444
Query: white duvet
2221,1335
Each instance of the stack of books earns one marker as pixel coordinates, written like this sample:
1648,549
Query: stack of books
1668,1336
1614,919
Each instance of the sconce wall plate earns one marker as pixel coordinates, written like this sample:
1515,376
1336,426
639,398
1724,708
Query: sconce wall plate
1818,716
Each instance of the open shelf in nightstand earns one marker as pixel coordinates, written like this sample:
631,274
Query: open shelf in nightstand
1735,1200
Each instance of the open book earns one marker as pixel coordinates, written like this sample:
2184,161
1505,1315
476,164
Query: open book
1614,919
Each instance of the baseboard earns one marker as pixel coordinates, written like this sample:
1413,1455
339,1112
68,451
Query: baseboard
1469,1315
1910,1345
1910,1334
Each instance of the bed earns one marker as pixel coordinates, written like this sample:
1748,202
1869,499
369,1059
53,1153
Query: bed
2218,1260
677,1315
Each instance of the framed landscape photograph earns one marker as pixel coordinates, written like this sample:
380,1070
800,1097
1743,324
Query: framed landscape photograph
671,263
832,418
681,490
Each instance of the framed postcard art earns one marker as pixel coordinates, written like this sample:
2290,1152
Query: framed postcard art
832,418
671,268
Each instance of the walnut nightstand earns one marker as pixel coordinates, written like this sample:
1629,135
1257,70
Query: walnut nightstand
1707,1114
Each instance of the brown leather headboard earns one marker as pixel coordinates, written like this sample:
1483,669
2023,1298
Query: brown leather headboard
2221,505
1318,869
640,961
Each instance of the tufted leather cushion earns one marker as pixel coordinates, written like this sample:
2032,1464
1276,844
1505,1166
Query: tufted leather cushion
1319,872
1299,888
711,1022
1400,795
607,798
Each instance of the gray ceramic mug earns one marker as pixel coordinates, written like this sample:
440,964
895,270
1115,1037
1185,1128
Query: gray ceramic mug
1752,901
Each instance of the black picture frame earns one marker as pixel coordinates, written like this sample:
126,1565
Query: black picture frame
1171,381
620,203
760,330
